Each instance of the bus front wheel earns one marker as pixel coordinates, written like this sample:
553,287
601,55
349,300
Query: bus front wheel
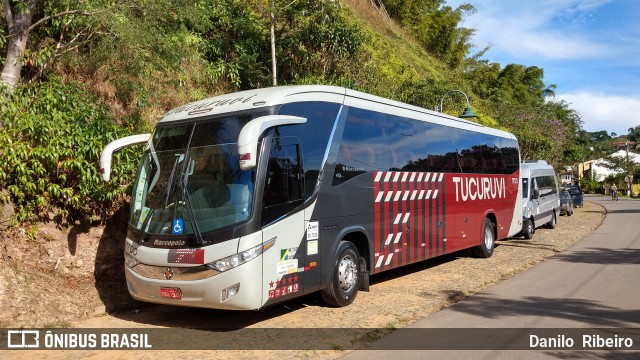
485,249
345,281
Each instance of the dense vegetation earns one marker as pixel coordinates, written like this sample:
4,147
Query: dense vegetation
49,160
93,70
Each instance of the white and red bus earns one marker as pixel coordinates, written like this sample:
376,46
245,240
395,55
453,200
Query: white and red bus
249,199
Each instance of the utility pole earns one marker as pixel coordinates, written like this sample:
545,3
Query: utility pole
273,42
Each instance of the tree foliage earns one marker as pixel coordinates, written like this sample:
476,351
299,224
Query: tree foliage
634,134
436,26
545,131
38,33
315,37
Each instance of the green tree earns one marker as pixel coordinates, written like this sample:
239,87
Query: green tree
545,131
316,39
634,134
436,26
482,75
57,26
519,84
235,42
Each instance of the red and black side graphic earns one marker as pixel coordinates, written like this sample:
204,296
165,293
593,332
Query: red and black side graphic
409,217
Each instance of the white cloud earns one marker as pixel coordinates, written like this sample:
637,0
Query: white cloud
548,45
588,48
541,29
587,5
613,113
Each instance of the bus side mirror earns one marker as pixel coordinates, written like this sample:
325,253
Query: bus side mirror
250,133
115,145
536,194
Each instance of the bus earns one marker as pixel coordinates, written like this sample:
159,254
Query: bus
249,199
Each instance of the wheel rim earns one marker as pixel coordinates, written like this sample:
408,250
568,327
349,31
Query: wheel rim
488,237
347,273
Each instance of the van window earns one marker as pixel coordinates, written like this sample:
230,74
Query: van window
546,185
525,188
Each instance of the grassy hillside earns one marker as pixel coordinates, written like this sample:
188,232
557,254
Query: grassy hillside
394,60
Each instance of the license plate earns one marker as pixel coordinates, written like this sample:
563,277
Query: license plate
171,293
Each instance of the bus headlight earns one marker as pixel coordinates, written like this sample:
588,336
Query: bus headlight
236,260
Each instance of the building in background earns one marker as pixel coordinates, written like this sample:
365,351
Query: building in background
567,176
598,170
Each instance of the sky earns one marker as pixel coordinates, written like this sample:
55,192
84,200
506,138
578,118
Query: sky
589,48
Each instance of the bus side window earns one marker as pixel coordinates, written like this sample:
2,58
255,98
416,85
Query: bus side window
284,185
510,155
363,147
440,150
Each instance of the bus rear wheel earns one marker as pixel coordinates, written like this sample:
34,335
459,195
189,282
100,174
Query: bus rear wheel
485,249
345,280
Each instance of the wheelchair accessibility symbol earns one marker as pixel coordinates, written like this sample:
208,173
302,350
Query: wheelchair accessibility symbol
178,226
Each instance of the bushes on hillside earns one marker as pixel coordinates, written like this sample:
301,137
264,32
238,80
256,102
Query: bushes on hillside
51,136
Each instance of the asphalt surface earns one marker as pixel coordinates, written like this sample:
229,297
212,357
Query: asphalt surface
566,307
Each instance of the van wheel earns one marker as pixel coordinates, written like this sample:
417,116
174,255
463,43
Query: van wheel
345,280
485,249
528,230
552,223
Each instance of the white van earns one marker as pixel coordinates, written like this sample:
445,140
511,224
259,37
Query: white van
540,196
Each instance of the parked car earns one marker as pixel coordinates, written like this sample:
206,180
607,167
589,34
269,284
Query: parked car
576,195
566,203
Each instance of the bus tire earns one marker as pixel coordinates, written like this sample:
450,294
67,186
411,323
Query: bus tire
345,280
485,249
554,220
529,229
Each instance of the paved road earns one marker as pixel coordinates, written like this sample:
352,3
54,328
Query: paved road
593,285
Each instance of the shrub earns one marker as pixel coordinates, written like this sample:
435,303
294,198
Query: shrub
51,136
590,186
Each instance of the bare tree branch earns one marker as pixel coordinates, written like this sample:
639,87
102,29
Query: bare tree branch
64,13
291,3
63,48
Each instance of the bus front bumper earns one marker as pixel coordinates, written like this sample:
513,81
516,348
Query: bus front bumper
239,288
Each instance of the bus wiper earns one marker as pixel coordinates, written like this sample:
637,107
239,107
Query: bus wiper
184,183
170,180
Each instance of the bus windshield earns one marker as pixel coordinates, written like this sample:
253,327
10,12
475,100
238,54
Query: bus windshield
189,181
